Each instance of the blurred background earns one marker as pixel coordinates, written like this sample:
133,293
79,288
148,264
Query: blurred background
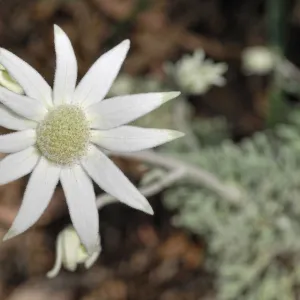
226,196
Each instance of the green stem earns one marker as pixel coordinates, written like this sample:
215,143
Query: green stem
276,18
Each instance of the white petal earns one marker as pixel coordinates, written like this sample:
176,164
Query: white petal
131,138
81,202
17,141
121,110
23,105
82,254
71,244
219,81
111,179
8,82
92,259
17,165
66,68
37,196
10,120
58,260
34,85
96,83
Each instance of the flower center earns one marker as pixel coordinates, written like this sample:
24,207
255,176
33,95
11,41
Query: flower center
63,136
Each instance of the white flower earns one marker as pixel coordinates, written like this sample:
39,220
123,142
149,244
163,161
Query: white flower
195,74
70,252
8,82
61,135
258,60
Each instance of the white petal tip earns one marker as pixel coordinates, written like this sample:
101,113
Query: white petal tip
169,96
223,66
148,209
93,248
176,135
52,273
9,235
126,43
92,259
57,29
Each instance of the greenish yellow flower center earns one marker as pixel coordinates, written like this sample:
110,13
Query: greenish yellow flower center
63,136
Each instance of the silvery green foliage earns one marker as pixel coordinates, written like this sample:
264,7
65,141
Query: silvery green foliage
253,245
211,131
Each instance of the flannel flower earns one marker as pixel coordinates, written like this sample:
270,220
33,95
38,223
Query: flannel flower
196,74
63,134
258,60
70,253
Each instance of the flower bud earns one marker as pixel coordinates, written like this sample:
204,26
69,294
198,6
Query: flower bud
258,60
70,252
